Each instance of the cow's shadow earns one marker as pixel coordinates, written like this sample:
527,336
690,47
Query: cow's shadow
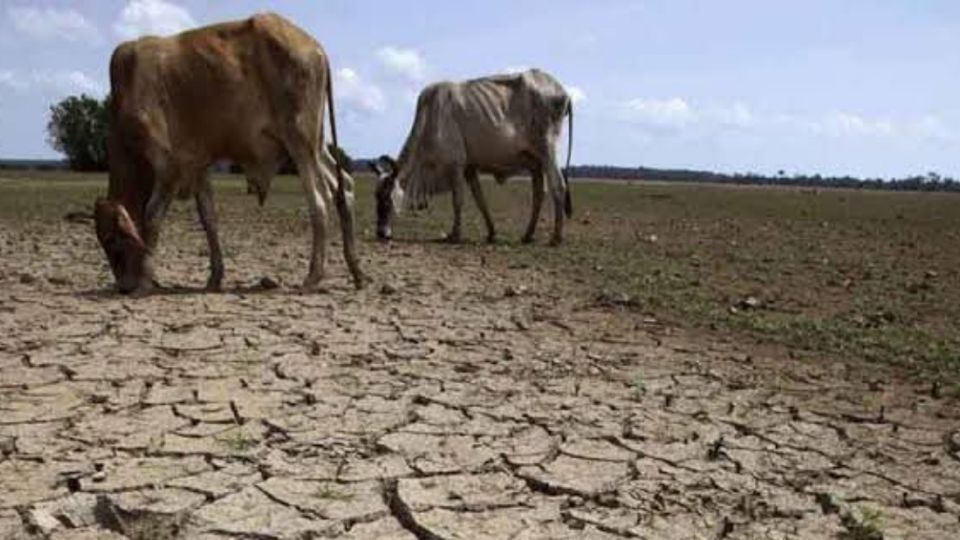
110,293
467,242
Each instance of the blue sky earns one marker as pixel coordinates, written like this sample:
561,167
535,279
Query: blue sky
863,87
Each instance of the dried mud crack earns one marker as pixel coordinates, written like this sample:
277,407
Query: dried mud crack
445,409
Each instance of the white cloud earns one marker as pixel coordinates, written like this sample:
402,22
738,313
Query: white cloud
576,94
675,115
152,17
511,70
931,126
841,124
351,89
671,113
792,122
851,125
53,24
404,62
57,82
837,124
736,115
11,80
66,82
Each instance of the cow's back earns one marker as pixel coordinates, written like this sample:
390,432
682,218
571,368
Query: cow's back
214,92
504,116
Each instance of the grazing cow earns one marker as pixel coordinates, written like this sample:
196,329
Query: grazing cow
502,125
251,91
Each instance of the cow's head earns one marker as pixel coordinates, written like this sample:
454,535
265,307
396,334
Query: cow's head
388,194
122,244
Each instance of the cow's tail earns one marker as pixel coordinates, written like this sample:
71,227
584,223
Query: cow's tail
567,198
347,224
341,185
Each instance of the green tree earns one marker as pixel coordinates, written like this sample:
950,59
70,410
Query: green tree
342,158
78,129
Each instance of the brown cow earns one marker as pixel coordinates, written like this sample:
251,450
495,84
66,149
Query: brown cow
249,91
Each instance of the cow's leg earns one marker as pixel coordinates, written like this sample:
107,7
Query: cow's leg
473,180
318,195
557,192
258,184
155,212
344,200
207,213
456,190
536,184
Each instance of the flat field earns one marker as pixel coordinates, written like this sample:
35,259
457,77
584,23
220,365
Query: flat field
694,362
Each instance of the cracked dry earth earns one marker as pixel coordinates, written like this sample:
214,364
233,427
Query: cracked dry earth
470,399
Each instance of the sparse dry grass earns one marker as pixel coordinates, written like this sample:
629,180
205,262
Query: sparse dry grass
851,274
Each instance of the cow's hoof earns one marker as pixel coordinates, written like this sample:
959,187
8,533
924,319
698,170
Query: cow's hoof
360,281
452,239
527,239
214,286
143,290
312,285
556,241
491,239
313,289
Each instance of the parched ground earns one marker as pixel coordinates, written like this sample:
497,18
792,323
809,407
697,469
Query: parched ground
461,395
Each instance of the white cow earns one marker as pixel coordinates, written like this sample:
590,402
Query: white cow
501,125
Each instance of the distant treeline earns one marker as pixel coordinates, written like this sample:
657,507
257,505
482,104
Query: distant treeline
34,165
78,129
926,182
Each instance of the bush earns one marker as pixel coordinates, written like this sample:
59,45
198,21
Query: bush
78,129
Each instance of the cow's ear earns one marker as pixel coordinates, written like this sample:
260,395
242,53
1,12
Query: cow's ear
388,163
375,165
